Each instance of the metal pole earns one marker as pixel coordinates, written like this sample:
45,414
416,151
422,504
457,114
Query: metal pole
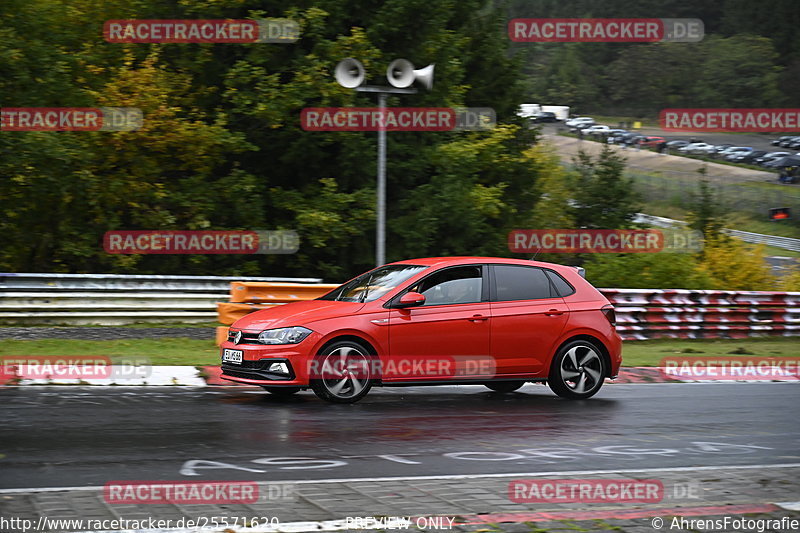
380,228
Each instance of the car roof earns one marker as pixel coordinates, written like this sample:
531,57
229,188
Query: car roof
469,260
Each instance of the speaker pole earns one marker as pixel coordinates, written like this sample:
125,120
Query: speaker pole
350,74
380,237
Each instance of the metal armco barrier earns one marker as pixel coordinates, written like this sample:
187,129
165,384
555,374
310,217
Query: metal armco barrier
106,299
787,243
114,299
641,313
675,313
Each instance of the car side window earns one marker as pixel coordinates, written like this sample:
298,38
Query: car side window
458,285
517,282
561,286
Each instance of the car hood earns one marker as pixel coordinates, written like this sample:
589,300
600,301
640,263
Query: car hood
296,314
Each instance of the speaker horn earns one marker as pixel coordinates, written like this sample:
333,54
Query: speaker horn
350,73
401,74
425,76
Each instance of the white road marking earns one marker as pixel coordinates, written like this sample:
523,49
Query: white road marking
457,476
789,506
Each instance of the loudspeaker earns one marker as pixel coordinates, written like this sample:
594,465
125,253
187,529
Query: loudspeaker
350,73
425,76
401,74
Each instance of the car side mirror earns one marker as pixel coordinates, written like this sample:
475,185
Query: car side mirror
410,299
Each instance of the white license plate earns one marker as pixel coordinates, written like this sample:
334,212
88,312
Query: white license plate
231,356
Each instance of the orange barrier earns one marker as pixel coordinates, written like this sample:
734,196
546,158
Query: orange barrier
222,334
228,312
268,292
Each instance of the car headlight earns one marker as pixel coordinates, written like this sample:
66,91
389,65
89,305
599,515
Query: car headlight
283,335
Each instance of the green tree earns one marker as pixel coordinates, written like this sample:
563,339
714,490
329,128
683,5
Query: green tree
706,214
646,271
604,198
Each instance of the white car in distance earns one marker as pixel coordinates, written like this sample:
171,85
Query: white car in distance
596,129
696,148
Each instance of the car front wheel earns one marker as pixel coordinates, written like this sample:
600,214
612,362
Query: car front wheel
577,371
343,373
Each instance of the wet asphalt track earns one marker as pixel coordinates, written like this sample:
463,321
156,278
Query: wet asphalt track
71,436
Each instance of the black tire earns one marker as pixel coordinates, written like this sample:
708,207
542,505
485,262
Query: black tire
578,370
344,372
281,391
504,386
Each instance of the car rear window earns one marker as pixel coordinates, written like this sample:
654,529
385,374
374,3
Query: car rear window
517,282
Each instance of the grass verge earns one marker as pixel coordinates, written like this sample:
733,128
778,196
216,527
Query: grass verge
193,352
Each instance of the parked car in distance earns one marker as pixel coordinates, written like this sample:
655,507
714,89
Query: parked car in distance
776,142
676,144
545,116
732,150
788,141
719,148
697,148
748,157
770,156
596,129
430,322
735,151
581,125
649,142
613,135
579,120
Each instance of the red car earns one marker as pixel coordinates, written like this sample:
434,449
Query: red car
650,142
443,320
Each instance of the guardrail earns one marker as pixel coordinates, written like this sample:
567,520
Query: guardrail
641,313
675,313
115,299
786,243
109,300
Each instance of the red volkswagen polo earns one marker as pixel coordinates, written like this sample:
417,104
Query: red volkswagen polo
435,321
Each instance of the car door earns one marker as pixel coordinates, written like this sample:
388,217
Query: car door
528,317
448,336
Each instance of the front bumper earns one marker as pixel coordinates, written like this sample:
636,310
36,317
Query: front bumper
257,358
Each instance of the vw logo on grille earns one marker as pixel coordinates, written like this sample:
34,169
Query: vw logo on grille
237,337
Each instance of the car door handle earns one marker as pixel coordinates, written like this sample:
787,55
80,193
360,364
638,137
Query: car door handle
478,318
553,312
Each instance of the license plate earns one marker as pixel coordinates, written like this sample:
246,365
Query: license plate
231,356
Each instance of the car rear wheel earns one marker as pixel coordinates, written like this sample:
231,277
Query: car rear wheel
281,391
343,373
505,386
577,371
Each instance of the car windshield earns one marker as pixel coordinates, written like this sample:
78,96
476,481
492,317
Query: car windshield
374,284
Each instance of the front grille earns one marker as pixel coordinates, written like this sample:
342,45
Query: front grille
247,338
257,370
